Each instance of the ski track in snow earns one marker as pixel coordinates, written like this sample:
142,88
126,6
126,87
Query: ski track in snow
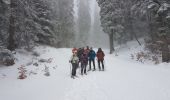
123,79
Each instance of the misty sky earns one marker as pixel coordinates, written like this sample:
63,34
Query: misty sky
95,35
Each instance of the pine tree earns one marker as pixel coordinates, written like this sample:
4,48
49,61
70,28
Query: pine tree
4,23
111,19
25,22
65,23
12,22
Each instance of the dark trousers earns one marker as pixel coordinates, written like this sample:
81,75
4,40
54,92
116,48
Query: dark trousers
83,68
74,68
92,60
100,61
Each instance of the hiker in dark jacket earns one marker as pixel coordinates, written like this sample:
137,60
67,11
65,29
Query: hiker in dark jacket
84,62
100,58
80,52
86,50
74,61
92,56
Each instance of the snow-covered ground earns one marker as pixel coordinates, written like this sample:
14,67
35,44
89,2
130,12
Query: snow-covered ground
124,78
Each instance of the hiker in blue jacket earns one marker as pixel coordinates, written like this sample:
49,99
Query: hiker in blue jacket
92,56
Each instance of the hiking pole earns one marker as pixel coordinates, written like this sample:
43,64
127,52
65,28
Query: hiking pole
104,64
70,69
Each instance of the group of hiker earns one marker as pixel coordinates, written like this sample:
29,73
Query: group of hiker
85,56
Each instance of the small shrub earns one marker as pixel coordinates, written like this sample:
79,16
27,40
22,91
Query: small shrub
22,72
6,57
46,70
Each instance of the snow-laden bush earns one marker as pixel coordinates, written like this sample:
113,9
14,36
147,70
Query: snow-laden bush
6,57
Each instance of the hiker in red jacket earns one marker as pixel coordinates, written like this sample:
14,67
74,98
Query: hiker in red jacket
100,57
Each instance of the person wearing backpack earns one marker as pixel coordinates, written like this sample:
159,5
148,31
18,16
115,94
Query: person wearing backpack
92,56
74,61
100,58
79,54
84,62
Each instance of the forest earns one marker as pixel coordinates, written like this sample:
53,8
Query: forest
69,23
84,49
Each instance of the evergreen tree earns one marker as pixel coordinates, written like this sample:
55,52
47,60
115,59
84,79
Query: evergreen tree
25,22
84,21
4,22
111,19
65,23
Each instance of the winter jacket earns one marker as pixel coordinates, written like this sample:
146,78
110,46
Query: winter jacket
100,55
86,51
74,59
92,55
84,59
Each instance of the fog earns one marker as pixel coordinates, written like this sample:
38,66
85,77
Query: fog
87,25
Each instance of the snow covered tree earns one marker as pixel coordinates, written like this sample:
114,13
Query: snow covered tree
129,23
65,23
83,21
43,21
121,18
4,22
157,12
12,20
21,31
111,19
25,22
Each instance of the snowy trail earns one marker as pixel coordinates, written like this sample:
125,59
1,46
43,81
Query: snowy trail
122,80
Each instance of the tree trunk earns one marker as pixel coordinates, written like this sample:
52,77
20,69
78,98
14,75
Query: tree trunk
11,42
165,50
111,43
137,39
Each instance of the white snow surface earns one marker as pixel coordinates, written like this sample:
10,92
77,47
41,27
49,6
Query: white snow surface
123,79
